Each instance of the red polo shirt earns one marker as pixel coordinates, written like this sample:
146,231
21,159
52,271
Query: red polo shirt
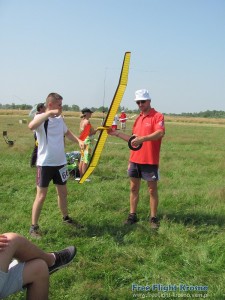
146,125
123,117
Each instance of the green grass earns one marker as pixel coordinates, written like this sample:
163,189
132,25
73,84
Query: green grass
187,249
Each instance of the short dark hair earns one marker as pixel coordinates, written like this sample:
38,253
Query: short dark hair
53,97
40,106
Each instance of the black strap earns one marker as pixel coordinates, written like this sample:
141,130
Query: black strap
46,127
131,147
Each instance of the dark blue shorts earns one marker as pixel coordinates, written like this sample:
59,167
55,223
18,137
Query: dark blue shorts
46,174
144,171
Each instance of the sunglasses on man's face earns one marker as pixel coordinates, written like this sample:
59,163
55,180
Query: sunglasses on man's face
140,102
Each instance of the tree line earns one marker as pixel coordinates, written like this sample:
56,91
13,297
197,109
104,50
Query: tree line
202,114
76,108
66,107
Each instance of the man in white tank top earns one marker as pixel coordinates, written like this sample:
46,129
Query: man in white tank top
51,162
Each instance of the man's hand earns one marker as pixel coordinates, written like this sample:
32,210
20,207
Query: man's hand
112,131
137,141
3,242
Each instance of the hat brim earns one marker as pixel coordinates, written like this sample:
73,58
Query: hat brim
142,98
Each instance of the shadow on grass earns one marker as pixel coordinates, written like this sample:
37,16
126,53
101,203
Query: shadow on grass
118,232
196,219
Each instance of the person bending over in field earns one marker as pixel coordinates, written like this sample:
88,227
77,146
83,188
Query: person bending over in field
51,160
30,268
144,163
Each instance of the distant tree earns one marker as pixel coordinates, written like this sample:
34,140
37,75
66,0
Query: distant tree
66,107
24,107
103,109
75,107
93,109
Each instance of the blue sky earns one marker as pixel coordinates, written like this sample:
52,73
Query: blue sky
76,48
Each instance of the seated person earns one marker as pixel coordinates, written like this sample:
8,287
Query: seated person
31,267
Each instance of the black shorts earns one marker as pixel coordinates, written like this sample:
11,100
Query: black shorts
144,171
46,174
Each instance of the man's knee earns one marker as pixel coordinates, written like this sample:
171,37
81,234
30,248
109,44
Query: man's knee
152,188
134,189
43,268
39,269
35,272
40,198
61,191
11,236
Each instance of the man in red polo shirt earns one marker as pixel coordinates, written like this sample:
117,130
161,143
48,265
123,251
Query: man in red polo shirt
148,130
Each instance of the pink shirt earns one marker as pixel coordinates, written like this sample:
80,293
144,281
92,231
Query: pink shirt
146,125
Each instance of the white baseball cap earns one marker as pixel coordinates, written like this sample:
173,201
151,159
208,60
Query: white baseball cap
142,95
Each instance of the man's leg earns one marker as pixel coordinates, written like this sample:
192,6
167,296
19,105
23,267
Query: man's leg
38,204
83,168
36,279
62,203
134,193
154,200
38,264
22,249
86,157
62,198
134,197
80,168
36,273
153,191
27,251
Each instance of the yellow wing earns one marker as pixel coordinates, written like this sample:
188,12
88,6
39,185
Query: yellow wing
109,118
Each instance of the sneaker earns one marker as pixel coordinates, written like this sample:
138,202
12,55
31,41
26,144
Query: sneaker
132,219
63,258
70,221
154,223
35,232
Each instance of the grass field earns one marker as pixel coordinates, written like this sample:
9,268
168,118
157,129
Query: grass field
185,254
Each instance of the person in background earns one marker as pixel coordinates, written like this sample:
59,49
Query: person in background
87,133
123,120
115,122
40,110
30,268
51,161
148,130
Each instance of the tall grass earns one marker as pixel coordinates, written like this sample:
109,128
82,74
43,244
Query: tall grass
187,249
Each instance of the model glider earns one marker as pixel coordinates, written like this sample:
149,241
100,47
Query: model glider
109,118
33,111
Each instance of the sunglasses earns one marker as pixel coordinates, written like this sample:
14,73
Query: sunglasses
141,101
